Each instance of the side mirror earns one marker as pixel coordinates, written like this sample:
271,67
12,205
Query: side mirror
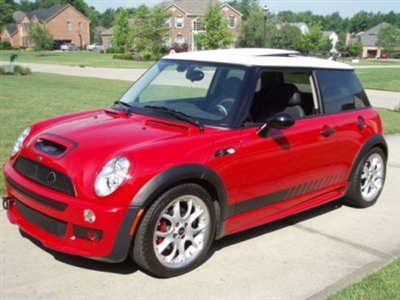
279,120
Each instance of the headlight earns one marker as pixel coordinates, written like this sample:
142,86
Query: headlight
111,176
20,141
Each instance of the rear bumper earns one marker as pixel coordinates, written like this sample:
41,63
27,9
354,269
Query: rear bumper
61,224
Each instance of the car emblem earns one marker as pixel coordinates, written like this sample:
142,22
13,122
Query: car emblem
39,158
51,178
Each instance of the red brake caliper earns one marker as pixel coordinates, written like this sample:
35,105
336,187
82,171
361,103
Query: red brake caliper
162,227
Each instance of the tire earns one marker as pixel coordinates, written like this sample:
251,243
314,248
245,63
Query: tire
366,182
176,232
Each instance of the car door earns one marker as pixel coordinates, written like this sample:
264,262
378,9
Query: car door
287,171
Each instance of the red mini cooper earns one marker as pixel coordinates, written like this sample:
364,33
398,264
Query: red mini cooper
203,145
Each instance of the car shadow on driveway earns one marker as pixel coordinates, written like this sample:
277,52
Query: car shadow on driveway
124,268
128,267
255,232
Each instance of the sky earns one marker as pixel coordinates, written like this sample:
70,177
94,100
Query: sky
346,8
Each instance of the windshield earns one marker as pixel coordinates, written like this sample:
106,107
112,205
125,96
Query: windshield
204,93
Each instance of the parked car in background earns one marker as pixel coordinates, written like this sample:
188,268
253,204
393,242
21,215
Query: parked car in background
95,47
69,47
205,144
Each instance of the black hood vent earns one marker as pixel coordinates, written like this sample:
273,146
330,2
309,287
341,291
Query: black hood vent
49,147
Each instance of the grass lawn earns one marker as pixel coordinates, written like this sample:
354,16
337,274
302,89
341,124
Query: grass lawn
381,285
387,79
75,58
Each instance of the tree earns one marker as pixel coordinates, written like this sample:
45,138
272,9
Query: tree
286,37
246,7
311,42
389,38
6,14
158,30
354,49
217,34
123,31
40,36
361,21
26,6
251,33
107,18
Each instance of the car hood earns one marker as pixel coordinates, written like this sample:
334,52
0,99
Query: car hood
100,135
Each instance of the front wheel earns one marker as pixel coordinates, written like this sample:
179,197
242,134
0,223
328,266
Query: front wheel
367,181
176,232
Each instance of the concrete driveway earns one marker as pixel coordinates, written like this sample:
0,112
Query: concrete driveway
307,256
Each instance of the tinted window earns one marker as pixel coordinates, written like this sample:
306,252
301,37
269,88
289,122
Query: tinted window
341,91
286,90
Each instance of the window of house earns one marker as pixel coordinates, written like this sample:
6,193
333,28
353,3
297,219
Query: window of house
168,23
80,25
69,26
232,22
197,26
179,39
167,41
179,22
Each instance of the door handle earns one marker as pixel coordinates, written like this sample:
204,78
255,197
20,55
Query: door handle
328,132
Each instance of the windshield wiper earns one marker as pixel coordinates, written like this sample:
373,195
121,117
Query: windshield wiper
178,114
127,106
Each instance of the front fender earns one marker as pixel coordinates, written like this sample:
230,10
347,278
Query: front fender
196,173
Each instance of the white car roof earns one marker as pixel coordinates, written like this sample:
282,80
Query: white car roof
259,57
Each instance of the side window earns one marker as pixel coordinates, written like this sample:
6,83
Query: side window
341,91
288,91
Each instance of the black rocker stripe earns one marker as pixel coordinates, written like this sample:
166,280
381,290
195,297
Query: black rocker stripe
265,200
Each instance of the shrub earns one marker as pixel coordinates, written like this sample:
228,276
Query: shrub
147,56
17,70
122,56
5,45
110,50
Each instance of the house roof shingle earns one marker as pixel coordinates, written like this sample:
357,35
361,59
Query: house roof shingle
12,30
45,14
370,37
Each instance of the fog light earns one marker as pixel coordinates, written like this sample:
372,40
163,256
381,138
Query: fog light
89,216
94,235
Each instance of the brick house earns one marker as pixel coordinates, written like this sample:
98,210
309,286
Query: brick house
184,22
66,24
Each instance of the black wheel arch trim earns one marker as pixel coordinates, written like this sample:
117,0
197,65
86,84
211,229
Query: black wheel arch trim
195,173
377,140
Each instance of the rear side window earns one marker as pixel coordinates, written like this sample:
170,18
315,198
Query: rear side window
341,91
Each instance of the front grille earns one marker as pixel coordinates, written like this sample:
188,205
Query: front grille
44,175
49,224
36,197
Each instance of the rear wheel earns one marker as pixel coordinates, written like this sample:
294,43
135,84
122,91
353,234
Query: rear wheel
176,232
367,181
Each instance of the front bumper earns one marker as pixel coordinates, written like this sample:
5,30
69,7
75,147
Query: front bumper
58,220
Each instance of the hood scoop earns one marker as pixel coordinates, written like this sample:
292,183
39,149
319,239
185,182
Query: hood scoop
54,145
49,147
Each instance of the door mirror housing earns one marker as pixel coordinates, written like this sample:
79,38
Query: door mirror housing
279,120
